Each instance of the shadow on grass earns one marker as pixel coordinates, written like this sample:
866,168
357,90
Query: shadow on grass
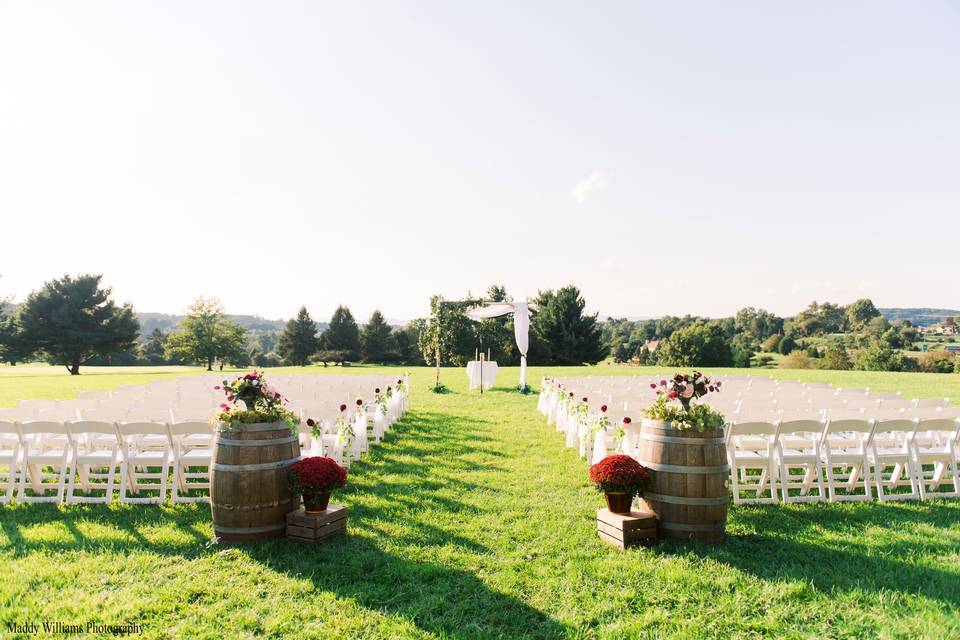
410,484
869,546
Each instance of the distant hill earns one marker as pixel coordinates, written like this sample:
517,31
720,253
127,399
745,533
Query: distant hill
920,317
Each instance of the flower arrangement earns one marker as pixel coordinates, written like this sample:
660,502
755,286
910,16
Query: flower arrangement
261,402
620,433
345,433
620,474
401,385
314,478
381,401
685,390
602,423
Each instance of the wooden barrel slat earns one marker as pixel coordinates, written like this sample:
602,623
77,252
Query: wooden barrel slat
249,499
688,492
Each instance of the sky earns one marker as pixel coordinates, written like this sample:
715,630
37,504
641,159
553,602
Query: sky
666,158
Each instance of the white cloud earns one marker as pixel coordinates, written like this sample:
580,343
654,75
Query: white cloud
588,186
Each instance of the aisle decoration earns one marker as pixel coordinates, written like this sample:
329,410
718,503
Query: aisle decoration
261,403
314,478
620,478
620,433
678,402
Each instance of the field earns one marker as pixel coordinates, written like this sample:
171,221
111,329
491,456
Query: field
472,520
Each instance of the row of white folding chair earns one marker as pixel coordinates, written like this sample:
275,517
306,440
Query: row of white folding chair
82,450
846,450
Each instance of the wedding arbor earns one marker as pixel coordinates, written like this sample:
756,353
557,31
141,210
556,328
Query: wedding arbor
521,326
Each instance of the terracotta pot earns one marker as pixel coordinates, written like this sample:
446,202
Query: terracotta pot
618,502
317,503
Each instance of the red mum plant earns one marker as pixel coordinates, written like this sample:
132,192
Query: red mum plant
315,476
620,474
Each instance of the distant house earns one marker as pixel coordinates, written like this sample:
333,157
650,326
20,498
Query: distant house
652,345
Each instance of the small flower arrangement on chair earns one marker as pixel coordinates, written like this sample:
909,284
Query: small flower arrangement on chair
620,478
314,478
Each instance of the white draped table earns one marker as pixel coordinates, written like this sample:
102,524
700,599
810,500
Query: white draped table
489,373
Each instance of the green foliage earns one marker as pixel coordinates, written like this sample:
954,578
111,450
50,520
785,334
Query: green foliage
378,341
15,346
757,324
153,350
860,312
561,330
206,335
71,320
698,345
408,342
772,343
937,362
878,356
819,319
299,340
342,334
742,348
836,357
797,359
699,417
786,345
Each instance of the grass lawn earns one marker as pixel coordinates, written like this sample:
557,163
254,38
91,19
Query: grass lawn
473,521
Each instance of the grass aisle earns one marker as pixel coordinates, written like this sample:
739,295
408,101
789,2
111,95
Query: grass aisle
472,520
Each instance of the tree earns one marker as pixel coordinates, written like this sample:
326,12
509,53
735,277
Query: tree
14,346
758,324
860,312
818,319
342,334
153,351
408,339
206,335
441,339
377,340
496,334
559,325
836,357
878,356
786,345
772,344
71,320
299,340
742,348
699,345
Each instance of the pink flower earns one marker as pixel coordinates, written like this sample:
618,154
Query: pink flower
653,386
225,407
217,387
688,392
663,383
672,395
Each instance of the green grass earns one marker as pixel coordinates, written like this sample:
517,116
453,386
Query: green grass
473,521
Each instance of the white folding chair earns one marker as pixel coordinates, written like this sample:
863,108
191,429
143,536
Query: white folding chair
936,453
141,451
192,444
844,447
43,444
752,446
96,456
798,448
9,458
893,446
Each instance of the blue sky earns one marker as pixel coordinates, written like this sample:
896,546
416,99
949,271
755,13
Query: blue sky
689,157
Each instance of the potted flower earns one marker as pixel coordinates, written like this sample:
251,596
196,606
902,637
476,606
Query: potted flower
620,478
314,478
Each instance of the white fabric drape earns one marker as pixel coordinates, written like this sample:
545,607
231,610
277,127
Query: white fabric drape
521,326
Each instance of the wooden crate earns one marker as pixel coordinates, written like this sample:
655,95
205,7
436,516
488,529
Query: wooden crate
305,527
622,530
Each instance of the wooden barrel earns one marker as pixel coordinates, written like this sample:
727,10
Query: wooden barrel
249,499
689,489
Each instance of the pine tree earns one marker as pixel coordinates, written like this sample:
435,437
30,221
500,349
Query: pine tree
342,334
299,339
378,341
562,333
71,320
153,349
